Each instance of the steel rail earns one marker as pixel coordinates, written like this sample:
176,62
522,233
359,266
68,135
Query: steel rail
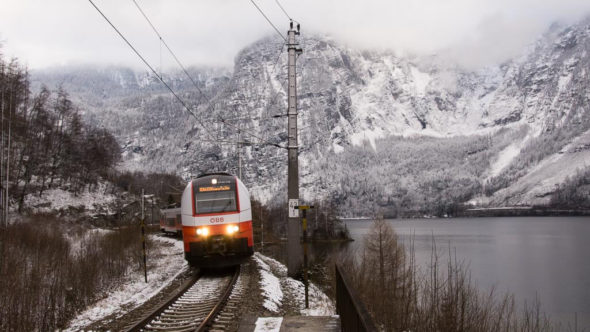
179,292
186,311
221,303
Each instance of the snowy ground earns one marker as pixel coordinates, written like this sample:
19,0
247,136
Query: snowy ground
77,240
58,199
165,263
268,324
541,180
505,157
279,290
281,293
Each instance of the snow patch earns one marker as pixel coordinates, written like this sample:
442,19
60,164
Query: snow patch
563,82
421,80
505,157
337,148
77,241
268,324
270,285
367,135
537,186
59,199
276,284
319,303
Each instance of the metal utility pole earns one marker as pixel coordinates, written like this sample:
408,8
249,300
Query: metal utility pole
2,152
304,209
143,235
294,258
239,156
261,231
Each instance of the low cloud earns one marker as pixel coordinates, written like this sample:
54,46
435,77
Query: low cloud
472,33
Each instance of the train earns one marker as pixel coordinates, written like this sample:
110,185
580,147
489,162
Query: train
171,221
216,221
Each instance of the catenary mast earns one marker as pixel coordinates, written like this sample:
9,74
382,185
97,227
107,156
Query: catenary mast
294,258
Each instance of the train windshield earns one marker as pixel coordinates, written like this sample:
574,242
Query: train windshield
215,194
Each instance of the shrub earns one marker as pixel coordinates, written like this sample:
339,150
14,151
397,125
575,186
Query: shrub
46,279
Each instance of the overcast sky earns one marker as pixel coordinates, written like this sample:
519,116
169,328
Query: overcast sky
44,33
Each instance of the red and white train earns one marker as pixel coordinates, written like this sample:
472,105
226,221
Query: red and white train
171,221
216,221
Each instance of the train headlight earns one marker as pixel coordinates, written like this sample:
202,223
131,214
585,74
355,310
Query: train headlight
204,231
232,229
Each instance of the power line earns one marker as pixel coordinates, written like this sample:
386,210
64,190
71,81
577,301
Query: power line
209,104
168,86
182,102
171,53
284,11
263,140
147,64
268,20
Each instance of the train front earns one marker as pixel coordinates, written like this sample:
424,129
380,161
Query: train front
216,221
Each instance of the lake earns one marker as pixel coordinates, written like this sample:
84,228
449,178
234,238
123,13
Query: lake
544,257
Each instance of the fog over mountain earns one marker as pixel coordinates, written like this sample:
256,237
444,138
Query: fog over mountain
466,32
377,130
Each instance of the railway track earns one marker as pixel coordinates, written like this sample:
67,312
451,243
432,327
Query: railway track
205,303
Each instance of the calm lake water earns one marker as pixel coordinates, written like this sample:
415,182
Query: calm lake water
544,257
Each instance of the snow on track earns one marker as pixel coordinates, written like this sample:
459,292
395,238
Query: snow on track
192,307
277,288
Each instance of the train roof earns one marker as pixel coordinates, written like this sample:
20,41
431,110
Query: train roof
209,174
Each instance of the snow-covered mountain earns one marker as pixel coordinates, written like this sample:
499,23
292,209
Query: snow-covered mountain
524,123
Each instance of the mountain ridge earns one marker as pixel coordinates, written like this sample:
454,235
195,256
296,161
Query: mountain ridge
356,98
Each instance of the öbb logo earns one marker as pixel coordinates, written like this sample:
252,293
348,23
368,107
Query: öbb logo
216,220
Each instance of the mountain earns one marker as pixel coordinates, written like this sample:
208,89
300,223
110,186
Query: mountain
376,131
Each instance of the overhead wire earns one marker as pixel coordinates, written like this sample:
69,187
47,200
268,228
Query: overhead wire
273,100
284,11
262,139
182,102
209,104
268,20
171,52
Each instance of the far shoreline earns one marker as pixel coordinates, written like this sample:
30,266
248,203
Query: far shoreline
515,211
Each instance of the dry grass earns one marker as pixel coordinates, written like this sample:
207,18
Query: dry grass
45,281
